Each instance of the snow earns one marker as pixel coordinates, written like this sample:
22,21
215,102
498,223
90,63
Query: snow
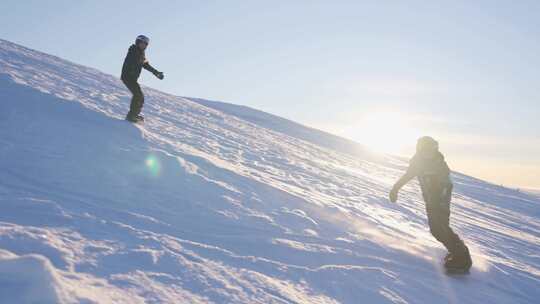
535,192
209,202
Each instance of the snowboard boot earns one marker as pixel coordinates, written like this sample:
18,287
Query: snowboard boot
460,261
448,256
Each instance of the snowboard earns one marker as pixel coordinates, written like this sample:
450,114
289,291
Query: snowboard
138,120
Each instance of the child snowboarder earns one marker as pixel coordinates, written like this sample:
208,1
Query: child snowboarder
429,166
133,64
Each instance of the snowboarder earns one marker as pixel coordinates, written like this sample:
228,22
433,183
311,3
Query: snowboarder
133,64
433,174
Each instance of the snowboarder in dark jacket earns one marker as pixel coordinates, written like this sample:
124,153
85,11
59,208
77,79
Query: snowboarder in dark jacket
133,64
433,174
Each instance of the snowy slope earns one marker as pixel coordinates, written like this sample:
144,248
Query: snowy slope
293,129
202,205
533,191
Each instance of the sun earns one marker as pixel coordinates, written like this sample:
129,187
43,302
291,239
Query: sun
386,131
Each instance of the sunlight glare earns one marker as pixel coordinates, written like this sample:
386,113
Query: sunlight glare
387,132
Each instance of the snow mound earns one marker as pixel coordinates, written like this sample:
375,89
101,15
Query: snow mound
214,203
32,278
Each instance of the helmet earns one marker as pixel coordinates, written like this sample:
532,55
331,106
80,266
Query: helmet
142,38
427,143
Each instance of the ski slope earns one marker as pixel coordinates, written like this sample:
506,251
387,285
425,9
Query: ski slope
213,203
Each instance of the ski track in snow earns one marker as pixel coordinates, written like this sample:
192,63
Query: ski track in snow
202,204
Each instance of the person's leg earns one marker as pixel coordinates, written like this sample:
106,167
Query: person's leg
137,100
439,223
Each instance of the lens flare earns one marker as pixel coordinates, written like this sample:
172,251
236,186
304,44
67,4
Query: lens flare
153,165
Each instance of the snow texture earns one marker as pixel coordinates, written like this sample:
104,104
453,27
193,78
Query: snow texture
209,202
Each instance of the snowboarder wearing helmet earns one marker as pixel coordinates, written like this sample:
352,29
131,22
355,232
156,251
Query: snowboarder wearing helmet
133,64
433,174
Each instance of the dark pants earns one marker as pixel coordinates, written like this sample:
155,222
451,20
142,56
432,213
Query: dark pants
137,100
438,213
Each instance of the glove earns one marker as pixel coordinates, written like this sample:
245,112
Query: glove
393,195
160,75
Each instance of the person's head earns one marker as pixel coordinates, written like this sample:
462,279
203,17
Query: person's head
427,146
142,42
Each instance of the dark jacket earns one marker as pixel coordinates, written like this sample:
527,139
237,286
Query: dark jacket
434,176
133,64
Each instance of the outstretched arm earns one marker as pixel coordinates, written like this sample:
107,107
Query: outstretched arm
151,69
400,183
148,67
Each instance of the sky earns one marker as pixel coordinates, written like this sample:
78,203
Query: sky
381,73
